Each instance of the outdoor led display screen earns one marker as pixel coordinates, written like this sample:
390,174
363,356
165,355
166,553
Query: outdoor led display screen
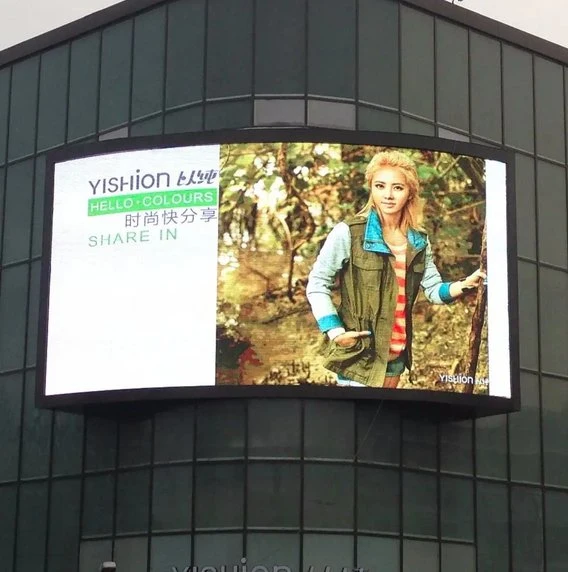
279,262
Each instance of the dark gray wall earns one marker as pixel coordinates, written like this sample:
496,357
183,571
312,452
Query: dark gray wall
286,482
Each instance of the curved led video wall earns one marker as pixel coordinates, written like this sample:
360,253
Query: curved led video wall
279,263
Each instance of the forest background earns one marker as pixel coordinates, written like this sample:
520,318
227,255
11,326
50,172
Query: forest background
278,202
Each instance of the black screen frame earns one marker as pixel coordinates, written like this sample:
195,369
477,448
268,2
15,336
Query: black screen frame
468,404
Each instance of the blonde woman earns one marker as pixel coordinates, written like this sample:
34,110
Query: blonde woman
382,257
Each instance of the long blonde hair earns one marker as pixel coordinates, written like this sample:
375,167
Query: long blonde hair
411,216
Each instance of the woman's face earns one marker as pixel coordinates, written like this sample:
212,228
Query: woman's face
389,191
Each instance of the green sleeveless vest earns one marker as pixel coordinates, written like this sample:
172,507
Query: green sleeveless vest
368,301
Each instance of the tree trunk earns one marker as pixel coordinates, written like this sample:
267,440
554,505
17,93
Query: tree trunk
470,365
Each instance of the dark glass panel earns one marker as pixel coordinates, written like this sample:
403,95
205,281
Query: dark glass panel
98,505
524,433
420,513
554,321
186,38
280,54
528,315
485,88
67,443
491,446
133,497
173,434
556,531
452,75
116,61
518,98
555,431
172,498
52,114
274,485
83,86
329,429
229,70
23,108
328,496
64,520
32,526
274,428
378,500
13,298
18,211
378,52
526,208
36,434
456,500
492,527
551,202
527,533
549,109
327,56
417,62
219,495
220,429
148,62
134,443
11,393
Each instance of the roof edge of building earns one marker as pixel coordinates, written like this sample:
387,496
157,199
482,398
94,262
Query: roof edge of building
441,8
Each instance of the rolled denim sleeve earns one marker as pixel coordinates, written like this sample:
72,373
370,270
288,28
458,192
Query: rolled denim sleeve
435,289
334,254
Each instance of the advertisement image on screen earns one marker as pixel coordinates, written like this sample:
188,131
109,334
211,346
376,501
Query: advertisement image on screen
293,263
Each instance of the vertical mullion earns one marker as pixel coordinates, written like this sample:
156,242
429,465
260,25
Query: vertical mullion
52,414
475,483
399,41
165,76
68,94
2,229
26,331
355,461
245,478
150,492
356,87
306,111
5,176
99,78
131,78
82,492
473,428
509,494
252,84
400,475
438,480
302,472
204,88
435,55
439,495
115,487
538,321
193,483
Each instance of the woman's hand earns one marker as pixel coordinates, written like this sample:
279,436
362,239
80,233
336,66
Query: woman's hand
349,339
473,280
467,284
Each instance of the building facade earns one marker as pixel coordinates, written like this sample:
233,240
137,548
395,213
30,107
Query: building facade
287,482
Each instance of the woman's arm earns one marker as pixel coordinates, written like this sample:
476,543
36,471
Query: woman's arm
331,259
439,292
333,256
467,284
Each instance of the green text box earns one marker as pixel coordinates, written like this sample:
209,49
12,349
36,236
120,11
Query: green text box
178,199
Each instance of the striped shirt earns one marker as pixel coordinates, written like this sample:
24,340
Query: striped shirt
398,336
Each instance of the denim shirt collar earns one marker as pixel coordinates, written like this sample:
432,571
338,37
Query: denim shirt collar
374,241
